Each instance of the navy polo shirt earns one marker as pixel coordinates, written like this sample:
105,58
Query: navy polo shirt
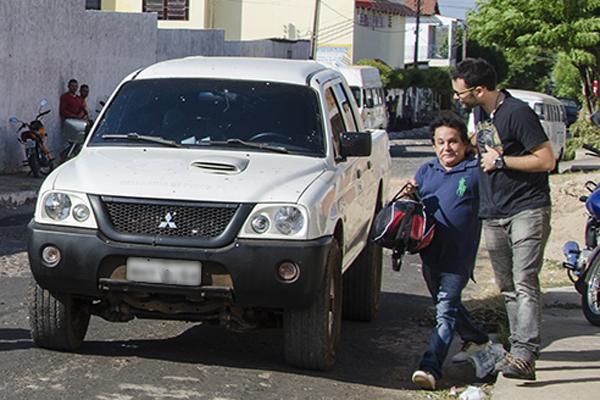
451,197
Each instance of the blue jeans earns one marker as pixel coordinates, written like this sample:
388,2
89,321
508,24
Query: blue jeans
450,315
516,247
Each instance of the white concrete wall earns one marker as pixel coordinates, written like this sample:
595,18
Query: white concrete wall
383,43
268,48
47,42
95,47
176,43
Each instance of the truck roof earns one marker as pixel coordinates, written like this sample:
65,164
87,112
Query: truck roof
239,68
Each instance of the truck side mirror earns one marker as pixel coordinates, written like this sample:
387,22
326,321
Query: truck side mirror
355,144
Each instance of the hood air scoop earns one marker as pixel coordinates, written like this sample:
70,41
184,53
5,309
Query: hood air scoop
221,165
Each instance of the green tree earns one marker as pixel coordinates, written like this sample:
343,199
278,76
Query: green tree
565,77
568,26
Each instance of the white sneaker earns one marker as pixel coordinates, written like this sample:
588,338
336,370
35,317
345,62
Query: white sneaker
467,349
424,380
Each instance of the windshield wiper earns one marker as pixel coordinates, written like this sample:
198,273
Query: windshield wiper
261,146
141,138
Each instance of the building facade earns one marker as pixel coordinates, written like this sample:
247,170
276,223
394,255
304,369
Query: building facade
348,30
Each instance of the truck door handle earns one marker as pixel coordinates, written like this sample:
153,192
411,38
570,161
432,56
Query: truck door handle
358,173
369,165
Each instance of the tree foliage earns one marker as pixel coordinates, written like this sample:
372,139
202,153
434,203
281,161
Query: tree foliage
550,26
566,78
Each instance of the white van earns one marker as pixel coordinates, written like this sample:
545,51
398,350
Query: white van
366,86
552,115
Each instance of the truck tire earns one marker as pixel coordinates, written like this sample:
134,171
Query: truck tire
312,334
590,300
362,285
57,322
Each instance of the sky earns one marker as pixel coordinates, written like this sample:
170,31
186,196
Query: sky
455,8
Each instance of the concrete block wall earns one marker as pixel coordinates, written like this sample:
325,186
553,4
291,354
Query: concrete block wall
44,43
47,42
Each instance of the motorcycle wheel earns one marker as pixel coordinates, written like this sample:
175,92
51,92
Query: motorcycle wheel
590,301
47,167
34,164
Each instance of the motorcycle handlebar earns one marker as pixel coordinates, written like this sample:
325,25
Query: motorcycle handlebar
42,114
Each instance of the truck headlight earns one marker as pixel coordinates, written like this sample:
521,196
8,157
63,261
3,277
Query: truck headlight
276,221
260,223
289,220
57,206
65,208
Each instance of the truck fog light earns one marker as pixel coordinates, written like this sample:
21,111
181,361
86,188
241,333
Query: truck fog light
288,271
81,212
260,223
51,256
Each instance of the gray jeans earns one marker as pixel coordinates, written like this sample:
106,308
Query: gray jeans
516,247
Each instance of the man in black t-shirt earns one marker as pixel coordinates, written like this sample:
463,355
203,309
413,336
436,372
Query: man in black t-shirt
515,158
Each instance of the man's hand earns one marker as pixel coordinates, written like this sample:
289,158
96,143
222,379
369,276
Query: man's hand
409,186
488,159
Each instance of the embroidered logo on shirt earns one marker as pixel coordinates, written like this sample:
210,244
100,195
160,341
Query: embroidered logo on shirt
462,187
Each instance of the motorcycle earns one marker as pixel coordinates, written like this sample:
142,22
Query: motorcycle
75,132
33,136
583,265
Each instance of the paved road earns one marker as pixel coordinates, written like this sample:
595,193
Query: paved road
175,360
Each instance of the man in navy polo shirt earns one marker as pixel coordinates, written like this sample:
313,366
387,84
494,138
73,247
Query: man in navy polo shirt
448,185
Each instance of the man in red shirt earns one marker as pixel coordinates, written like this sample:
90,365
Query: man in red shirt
71,105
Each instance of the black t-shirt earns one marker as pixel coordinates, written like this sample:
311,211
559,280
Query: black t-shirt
515,128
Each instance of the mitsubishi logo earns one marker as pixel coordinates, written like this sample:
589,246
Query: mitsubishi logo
168,222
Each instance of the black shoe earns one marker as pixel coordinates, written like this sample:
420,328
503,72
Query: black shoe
519,368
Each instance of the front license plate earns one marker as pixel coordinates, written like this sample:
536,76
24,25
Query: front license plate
157,270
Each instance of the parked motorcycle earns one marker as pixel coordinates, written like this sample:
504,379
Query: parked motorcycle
33,136
583,265
75,132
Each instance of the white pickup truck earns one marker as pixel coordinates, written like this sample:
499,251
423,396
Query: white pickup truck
229,190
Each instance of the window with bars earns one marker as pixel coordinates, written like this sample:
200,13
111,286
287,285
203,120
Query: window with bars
93,4
170,10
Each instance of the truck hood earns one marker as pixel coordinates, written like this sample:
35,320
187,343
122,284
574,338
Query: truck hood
185,174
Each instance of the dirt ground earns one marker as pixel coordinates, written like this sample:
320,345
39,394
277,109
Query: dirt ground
568,223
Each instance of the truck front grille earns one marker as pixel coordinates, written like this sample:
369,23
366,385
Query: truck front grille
171,219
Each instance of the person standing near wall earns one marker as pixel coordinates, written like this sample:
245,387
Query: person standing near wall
84,91
515,158
72,105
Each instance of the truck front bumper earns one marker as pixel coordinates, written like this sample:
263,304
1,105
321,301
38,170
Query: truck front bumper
90,265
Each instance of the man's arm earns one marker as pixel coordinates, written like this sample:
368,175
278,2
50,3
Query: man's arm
541,159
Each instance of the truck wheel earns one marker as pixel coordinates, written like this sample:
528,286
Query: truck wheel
311,335
57,322
590,301
362,285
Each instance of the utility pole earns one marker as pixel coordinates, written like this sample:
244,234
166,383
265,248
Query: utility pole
464,41
315,32
416,58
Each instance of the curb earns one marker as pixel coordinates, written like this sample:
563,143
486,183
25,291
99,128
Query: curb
16,199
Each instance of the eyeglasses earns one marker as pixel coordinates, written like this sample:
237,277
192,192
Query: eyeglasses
461,92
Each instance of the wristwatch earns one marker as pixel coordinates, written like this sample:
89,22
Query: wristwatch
499,162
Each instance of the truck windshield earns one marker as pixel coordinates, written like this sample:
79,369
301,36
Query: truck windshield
209,112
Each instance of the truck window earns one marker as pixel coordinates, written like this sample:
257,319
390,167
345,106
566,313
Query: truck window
196,112
344,102
335,118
